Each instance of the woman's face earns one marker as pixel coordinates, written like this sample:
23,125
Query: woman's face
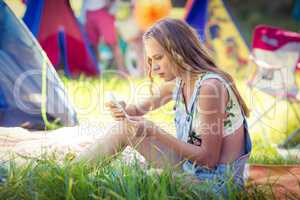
157,57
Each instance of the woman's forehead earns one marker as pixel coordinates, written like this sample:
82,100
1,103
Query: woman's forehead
152,47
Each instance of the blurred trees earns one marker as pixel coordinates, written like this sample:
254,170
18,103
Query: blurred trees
250,13
269,7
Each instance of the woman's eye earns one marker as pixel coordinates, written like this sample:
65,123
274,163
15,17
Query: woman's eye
158,57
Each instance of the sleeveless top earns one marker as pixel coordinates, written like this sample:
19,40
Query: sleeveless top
184,123
234,116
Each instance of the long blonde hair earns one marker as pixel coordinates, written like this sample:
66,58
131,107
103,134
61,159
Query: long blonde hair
183,47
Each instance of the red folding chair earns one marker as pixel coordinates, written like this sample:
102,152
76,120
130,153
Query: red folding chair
276,55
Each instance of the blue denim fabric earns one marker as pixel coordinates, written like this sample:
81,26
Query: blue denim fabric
223,173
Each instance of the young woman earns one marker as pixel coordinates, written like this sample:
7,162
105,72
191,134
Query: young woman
212,137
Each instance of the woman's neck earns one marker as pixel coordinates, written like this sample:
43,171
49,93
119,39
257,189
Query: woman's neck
188,83
189,78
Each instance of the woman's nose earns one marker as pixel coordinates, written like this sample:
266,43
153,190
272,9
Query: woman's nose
155,67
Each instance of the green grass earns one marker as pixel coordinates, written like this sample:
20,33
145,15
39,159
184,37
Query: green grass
46,179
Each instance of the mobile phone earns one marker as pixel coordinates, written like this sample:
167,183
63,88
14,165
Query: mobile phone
112,98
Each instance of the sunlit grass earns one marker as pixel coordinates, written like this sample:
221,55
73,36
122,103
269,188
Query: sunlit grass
46,179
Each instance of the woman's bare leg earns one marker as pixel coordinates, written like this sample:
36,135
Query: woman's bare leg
113,141
120,136
157,154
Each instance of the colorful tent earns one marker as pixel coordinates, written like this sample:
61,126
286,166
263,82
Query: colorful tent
55,26
31,93
216,26
196,16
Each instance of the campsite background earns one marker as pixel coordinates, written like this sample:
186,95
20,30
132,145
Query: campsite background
88,94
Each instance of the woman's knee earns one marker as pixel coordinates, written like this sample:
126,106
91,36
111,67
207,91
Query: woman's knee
124,129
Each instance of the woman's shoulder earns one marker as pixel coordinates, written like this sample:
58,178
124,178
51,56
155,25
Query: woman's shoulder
212,75
212,87
213,80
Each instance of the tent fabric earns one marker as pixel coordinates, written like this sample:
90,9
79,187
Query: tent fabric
197,16
63,52
46,18
21,62
33,16
220,33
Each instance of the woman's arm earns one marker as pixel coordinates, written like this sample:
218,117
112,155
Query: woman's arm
211,105
163,96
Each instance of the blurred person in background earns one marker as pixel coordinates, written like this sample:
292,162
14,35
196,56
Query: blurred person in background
131,33
100,27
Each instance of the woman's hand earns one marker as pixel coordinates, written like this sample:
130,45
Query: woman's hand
118,110
139,126
146,128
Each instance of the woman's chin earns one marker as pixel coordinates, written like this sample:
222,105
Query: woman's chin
165,78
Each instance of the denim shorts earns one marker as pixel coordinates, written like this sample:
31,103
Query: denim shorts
220,177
